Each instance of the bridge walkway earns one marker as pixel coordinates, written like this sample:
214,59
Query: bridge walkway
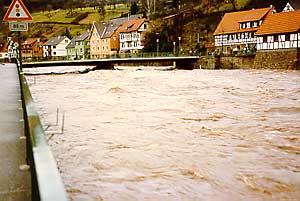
15,180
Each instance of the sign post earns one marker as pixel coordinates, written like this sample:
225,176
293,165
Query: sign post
17,15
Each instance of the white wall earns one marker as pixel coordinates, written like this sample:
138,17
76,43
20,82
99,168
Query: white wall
282,42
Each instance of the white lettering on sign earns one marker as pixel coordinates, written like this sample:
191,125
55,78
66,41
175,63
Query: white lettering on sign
18,26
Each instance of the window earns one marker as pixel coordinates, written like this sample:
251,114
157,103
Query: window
135,44
246,35
275,38
54,47
265,39
287,37
54,53
248,24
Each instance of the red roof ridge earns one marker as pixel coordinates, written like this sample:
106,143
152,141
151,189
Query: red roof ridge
230,22
283,22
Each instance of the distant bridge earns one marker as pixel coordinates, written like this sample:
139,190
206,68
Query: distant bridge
182,62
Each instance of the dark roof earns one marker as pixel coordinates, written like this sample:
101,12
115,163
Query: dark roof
284,22
99,27
110,30
72,43
230,22
83,36
55,40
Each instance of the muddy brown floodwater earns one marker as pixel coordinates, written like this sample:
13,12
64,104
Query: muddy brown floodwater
174,135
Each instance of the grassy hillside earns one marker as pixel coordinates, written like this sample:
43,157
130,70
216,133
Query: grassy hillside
58,22
52,22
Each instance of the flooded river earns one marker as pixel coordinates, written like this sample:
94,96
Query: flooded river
174,135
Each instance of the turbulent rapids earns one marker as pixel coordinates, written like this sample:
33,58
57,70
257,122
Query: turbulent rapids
174,135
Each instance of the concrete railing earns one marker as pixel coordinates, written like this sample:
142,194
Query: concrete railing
46,180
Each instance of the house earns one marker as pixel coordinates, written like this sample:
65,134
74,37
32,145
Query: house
236,31
279,31
104,37
292,6
32,48
56,47
131,35
110,38
3,51
82,46
95,40
71,51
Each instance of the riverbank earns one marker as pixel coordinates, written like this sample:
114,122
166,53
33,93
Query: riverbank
286,59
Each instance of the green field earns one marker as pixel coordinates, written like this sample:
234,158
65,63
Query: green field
62,15
47,23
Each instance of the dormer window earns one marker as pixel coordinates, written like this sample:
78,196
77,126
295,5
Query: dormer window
248,24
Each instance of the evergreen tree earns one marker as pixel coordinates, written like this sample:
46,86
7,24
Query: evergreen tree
134,8
101,9
1,10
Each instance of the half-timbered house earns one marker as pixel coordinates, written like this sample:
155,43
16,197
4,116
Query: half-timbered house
279,31
236,31
292,5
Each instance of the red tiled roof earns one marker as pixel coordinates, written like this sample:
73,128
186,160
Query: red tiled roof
131,25
284,22
230,22
30,41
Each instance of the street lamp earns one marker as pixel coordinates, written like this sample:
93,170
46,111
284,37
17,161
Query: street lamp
157,43
179,39
157,46
174,48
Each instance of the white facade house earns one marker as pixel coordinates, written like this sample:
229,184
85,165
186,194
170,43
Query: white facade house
131,35
56,47
279,31
236,31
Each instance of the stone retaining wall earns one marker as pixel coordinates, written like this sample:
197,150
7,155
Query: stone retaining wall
274,59
287,59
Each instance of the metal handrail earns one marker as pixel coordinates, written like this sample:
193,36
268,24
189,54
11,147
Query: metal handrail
110,56
47,184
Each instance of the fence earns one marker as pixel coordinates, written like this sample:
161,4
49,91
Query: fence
45,178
